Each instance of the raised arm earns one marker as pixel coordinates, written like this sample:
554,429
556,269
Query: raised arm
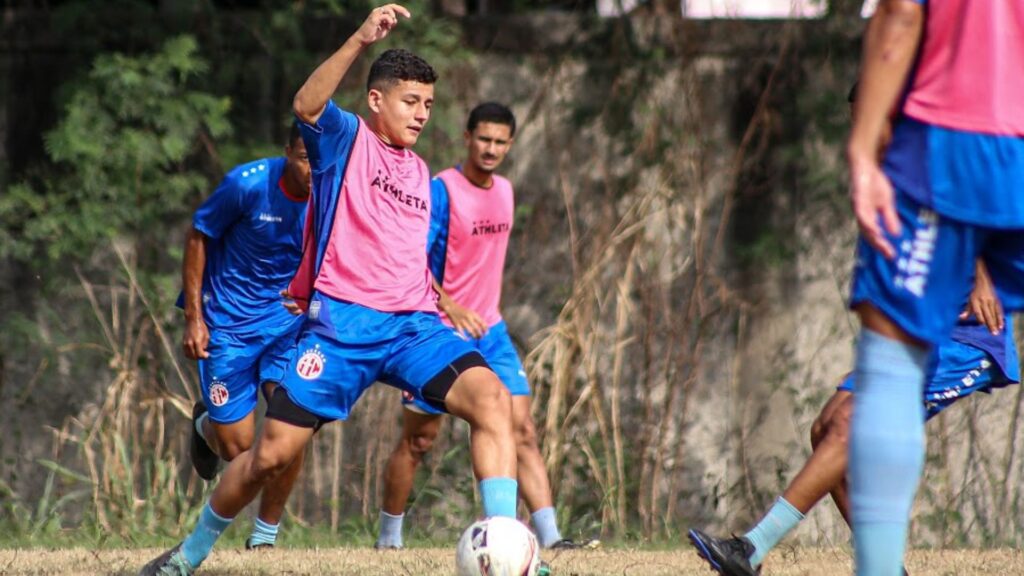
312,98
889,47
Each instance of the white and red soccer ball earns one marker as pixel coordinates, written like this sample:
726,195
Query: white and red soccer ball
497,546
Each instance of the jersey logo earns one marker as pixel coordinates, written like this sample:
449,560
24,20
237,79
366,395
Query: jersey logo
218,394
915,258
265,217
486,227
254,170
311,364
383,183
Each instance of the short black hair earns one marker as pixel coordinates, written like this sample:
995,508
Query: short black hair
492,112
396,65
294,135
853,93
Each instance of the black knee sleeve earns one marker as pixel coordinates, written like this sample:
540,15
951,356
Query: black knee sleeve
436,390
280,407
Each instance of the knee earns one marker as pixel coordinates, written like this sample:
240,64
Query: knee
420,443
492,400
838,429
267,464
817,432
232,441
231,448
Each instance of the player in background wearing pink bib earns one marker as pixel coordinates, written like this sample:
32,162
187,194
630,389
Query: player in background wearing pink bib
950,190
472,210
364,281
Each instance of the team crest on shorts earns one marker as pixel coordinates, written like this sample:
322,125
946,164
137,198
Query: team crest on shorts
218,394
310,364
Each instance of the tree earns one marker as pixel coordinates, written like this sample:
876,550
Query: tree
123,159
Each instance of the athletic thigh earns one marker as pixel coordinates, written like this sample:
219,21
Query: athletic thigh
426,362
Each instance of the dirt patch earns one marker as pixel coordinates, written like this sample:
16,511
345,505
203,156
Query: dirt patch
415,562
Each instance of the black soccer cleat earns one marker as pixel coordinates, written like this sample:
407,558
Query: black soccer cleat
570,544
204,460
170,563
729,556
257,547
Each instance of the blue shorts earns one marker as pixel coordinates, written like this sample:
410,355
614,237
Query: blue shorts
497,348
957,371
239,362
344,348
924,288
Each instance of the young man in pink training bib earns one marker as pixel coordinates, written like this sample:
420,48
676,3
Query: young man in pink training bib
371,308
472,209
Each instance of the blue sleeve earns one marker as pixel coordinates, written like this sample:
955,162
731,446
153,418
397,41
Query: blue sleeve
222,209
437,238
330,138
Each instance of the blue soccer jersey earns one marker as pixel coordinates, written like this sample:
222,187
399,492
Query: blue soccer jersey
255,243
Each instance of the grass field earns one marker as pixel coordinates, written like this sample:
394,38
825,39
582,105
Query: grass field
424,561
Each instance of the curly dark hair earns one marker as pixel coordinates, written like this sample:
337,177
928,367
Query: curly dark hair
492,112
398,64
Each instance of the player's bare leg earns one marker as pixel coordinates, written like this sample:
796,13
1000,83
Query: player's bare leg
479,398
825,470
533,475
418,434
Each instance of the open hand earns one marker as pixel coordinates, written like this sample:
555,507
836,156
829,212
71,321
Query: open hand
380,22
872,196
463,319
984,303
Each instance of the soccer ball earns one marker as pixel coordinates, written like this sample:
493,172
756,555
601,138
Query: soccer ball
497,546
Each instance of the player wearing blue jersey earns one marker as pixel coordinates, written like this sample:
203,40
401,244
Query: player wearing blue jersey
949,190
973,360
243,248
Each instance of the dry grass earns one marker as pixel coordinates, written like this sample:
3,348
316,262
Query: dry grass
365,562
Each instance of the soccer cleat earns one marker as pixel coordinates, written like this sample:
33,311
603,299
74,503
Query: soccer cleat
380,546
204,460
170,563
570,544
729,556
264,546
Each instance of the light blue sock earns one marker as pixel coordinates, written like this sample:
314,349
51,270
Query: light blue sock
886,449
198,544
545,523
263,533
780,519
390,535
499,496
199,425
